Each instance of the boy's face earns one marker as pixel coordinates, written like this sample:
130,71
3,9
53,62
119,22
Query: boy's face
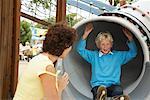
105,46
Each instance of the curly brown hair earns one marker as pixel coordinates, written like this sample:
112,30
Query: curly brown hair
58,38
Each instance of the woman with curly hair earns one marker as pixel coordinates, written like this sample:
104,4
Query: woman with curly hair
39,82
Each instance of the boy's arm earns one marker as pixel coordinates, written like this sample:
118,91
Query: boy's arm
81,47
127,34
87,31
128,55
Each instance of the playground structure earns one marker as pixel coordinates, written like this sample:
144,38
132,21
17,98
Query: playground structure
135,74
135,17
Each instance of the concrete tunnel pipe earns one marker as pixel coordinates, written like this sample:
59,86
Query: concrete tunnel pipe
132,72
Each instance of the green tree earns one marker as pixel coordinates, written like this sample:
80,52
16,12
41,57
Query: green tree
25,32
45,3
40,26
50,20
72,19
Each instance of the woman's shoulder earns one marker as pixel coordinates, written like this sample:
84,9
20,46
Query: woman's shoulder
41,60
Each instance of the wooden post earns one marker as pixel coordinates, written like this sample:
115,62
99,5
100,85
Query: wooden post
15,49
61,11
9,42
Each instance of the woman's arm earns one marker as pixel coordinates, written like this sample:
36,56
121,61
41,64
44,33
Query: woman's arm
62,83
49,84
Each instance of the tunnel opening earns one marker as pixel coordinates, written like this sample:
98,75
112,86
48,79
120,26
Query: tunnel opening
80,71
130,71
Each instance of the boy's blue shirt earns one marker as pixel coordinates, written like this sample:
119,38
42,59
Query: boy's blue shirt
106,69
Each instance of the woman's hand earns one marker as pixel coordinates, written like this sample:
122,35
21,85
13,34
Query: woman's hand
89,27
63,82
127,34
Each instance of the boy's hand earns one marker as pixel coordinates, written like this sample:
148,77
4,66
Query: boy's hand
88,29
127,34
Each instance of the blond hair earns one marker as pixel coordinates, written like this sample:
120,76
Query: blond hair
103,36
